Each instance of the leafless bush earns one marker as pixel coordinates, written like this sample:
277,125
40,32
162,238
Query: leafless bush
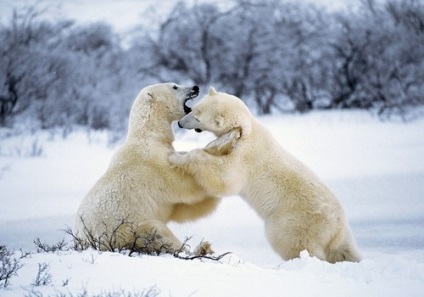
43,277
150,292
150,243
65,282
9,266
44,247
111,240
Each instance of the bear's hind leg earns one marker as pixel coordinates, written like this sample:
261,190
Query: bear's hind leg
291,250
290,240
154,234
148,237
344,252
342,246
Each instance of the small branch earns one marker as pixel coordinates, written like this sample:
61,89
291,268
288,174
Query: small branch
214,258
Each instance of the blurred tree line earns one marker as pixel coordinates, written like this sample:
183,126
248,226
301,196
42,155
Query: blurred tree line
277,56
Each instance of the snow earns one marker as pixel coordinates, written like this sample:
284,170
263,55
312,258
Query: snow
375,168
382,276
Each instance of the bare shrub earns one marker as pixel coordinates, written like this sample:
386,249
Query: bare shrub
9,266
150,243
112,238
44,247
43,277
150,292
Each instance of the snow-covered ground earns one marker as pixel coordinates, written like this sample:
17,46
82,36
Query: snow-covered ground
375,168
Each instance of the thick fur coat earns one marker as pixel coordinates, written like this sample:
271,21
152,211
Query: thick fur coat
299,210
140,192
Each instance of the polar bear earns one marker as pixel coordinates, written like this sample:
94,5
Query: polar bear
299,211
140,193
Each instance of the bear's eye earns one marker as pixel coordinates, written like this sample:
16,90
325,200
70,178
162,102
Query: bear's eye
175,87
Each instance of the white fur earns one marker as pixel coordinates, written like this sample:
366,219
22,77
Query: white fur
299,211
140,188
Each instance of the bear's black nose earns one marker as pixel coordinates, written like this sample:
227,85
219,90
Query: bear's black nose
196,89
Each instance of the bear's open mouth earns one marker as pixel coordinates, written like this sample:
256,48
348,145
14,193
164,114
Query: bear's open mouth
187,109
194,92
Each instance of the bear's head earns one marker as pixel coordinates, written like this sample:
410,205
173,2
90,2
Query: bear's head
218,113
172,98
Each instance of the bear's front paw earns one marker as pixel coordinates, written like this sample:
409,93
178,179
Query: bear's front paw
203,249
224,144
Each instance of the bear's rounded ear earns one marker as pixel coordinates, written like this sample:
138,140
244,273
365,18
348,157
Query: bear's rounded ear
149,96
212,91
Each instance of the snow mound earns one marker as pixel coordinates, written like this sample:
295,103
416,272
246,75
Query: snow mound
95,273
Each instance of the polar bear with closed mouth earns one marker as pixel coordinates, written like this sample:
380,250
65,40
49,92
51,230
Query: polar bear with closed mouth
299,211
140,192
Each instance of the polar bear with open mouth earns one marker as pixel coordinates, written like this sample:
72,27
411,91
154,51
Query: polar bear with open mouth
140,192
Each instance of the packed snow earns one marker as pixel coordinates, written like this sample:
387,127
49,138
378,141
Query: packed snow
376,169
